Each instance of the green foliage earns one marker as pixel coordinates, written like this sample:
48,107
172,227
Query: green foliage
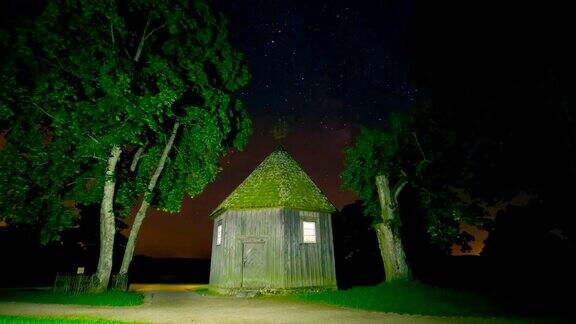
375,152
409,298
109,298
93,75
414,149
30,192
277,182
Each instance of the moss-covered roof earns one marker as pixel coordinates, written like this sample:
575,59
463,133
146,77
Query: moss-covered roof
278,181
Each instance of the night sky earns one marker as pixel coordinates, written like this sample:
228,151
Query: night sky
321,68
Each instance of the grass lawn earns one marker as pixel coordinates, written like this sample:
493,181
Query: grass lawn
409,298
205,290
54,320
109,298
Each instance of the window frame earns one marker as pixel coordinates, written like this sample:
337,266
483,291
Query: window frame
304,235
307,216
219,233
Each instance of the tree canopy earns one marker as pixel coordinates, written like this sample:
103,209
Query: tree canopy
88,76
409,154
468,148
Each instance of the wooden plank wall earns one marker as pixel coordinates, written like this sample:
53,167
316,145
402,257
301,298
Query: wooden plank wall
289,262
308,264
241,226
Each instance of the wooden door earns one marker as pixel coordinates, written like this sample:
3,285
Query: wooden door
254,271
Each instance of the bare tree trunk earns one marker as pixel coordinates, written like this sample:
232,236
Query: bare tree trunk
129,251
391,248
107,222
136,159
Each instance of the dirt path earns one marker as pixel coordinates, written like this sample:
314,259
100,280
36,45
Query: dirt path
190,307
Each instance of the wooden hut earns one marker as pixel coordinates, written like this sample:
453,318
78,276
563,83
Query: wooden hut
274,232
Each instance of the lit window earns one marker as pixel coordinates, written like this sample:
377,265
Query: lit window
219,234
309,232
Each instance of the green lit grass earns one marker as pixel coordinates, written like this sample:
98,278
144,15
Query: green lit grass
205,290
51,319
408,298
109,298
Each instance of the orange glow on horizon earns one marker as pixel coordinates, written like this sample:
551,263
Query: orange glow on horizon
478,243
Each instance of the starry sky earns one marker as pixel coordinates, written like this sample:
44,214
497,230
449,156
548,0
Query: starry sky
322,64
320,69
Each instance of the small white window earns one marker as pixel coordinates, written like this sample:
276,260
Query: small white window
219,234
309,232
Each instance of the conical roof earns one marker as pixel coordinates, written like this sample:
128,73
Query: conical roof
278,181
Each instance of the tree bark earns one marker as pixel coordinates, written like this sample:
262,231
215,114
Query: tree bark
107,222
141,214
136,158
393,257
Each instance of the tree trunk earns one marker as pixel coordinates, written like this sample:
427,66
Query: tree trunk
141,214
107,222
391,248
